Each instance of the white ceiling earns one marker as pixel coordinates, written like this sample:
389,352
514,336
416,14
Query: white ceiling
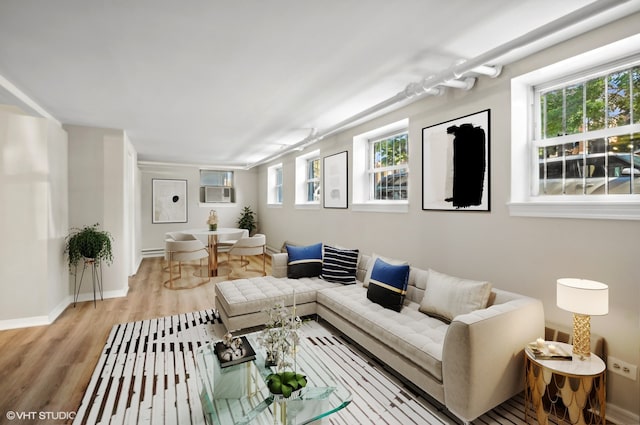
232,82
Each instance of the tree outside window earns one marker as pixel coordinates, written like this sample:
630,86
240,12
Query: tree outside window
389,167
589,136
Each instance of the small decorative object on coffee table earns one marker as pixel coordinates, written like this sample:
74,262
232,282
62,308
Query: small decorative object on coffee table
231,351
280,338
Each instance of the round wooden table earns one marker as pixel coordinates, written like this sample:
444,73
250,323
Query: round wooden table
213,242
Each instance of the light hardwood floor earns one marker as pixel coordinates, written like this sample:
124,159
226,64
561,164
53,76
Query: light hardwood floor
47,368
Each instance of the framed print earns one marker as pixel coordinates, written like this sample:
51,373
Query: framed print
169,198
455,164
334,181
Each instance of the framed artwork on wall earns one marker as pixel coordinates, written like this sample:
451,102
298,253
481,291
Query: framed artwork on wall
334,181
455,164
169,201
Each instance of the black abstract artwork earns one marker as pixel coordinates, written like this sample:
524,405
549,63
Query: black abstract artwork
455,164
468,165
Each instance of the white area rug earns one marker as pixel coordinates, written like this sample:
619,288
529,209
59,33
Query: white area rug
146,375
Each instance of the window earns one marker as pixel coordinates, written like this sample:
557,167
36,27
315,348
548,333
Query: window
381,169
388,170
216,178
588,140
216,186
308,179
274,185
313,180
575,136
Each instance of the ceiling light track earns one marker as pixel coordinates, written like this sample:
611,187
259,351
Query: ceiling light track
455,76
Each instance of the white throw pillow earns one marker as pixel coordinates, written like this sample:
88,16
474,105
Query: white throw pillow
447,296
372,261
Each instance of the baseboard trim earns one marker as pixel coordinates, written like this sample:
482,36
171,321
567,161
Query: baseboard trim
24,322
152,252
28,322
618,415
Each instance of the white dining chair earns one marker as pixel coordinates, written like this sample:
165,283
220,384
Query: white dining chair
245,247
178,252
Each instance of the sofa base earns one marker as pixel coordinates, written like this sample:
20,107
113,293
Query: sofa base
251,320
394,360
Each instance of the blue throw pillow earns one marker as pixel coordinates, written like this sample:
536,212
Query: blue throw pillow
304,261
388,284
339,265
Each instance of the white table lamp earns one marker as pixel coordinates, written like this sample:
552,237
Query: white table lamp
584,298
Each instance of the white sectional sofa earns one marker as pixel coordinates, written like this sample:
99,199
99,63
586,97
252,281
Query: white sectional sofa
470,365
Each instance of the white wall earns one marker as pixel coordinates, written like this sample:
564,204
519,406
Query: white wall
197,214
524,255
97,191
33,199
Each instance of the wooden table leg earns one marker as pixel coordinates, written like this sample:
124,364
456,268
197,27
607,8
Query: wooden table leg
213,255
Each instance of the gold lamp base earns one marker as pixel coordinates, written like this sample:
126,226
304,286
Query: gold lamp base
581,335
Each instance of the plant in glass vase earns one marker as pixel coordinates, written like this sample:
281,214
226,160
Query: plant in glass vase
280,338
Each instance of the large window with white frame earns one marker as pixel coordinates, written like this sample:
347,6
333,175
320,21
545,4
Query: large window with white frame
588,134
575,136
388,167
274,185
308,179
381,169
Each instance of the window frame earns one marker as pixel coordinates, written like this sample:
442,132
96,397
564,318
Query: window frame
275,188
302,179
372,170
228,180
524,124
360,177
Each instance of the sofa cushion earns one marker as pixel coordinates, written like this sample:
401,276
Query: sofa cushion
372,261
304,261
246,296
388,284
448,296
414,335
339,265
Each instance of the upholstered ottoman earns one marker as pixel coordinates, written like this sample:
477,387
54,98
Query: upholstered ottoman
242,302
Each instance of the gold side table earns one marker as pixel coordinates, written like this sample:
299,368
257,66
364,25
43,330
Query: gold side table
571,390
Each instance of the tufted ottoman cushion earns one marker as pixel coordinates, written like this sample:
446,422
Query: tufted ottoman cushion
241,302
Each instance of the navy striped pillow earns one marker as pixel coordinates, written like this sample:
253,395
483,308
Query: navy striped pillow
339,265
304,261
388,284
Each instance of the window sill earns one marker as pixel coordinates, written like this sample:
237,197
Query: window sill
309,206
385,207
622,210
274,205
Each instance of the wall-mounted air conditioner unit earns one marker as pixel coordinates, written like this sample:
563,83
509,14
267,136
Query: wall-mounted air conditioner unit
218,194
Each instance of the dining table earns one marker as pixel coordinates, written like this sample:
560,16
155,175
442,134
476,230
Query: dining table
212,236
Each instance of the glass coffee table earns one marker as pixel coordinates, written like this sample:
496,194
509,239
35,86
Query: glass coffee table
238,394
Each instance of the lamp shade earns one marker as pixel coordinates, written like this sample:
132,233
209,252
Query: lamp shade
583,296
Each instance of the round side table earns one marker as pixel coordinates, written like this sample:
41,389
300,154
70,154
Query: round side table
571,390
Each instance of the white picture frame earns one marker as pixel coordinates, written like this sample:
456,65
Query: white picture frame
169,201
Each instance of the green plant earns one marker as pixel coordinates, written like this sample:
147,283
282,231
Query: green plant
285,382
280,338
247,219
88,242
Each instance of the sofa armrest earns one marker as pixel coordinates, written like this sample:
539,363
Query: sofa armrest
482,364
279,262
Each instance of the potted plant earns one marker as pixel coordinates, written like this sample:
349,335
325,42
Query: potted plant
247,219
89,243
280,338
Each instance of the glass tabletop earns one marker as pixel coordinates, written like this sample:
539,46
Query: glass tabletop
238,394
